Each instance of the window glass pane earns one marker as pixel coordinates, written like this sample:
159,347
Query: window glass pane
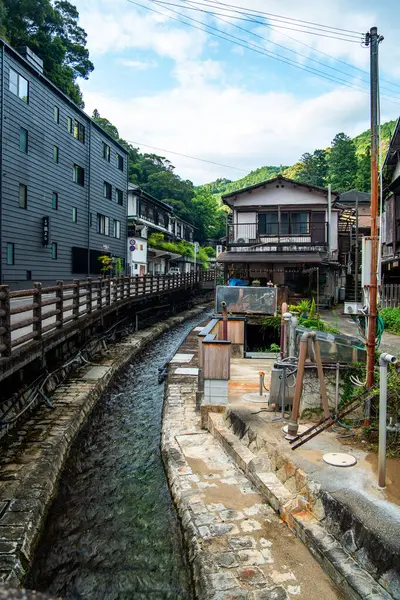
284,229
54,201
10,254
23,88
13,85
81,133
54,251
76,129
119,196
271,223
23,140
74,214
69,124
299,223
120,162
118,229
106,226
56,114
55,154
23,196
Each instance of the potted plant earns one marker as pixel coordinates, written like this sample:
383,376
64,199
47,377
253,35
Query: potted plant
304,308
256,282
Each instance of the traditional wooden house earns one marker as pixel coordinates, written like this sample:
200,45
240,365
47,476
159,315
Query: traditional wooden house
285,232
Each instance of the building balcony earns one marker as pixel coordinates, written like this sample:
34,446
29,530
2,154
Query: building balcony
250,237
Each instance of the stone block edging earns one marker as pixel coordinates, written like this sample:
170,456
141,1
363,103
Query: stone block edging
354,582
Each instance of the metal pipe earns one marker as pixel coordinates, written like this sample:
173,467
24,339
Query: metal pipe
324,395
286,333
224,321
292,335
282,337
384,360
293,424
337,388
329,215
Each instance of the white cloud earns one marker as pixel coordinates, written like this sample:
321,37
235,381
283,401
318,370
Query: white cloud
140,65
233,126
208,113
115,25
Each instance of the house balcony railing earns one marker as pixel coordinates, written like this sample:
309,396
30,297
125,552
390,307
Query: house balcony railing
250,237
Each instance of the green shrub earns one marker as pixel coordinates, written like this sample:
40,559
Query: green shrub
156,240
317,325
391,319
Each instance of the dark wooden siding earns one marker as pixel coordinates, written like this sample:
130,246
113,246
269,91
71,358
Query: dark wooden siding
42,176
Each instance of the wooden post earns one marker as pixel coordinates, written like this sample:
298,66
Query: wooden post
5,321
60,303
37,311
108,292
137,285
75,300
89,295
99,284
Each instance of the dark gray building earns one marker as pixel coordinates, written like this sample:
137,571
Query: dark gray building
63,181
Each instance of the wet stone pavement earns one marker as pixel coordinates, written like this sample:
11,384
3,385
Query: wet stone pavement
238,546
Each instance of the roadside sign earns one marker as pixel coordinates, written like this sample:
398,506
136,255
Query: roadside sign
132,242
132,248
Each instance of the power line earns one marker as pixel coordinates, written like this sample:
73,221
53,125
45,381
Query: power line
282,46
211,162
218,2
251,11
353,39
258,49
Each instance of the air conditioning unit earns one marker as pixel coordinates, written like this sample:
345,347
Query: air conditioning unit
352,308
242,241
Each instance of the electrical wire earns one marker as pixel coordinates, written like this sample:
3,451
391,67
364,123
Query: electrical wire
260,12
245,44
188,156
324,64
310,30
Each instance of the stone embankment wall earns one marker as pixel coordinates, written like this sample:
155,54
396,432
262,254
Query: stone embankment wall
33,459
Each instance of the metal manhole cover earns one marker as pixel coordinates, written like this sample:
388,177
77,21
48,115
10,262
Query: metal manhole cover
339,459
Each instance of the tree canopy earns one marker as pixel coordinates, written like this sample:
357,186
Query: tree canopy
51,30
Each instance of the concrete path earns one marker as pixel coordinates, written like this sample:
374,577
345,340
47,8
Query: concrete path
240,548
390,342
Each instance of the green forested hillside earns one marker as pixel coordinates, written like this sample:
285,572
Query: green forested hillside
345,164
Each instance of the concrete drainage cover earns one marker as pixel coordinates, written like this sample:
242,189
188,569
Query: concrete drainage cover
339,459
256,398
186,371
96,373
182,358
198,329
301,429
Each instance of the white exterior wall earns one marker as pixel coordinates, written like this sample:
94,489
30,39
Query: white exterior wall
138,257
272,196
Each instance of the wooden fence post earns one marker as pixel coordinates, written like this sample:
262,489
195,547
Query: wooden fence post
89,295
75,299
5,321
60,303
108,292
99,284
37,311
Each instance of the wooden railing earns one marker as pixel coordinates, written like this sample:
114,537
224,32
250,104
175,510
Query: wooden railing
390,295
35,314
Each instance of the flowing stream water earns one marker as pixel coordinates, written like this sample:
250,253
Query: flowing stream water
112,532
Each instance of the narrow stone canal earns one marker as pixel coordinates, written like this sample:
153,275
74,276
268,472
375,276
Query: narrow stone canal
112,532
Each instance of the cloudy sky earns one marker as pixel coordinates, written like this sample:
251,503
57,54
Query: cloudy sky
189,90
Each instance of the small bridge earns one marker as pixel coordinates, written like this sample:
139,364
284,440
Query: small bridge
37,320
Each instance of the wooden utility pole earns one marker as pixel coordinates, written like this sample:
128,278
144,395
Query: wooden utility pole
373,41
